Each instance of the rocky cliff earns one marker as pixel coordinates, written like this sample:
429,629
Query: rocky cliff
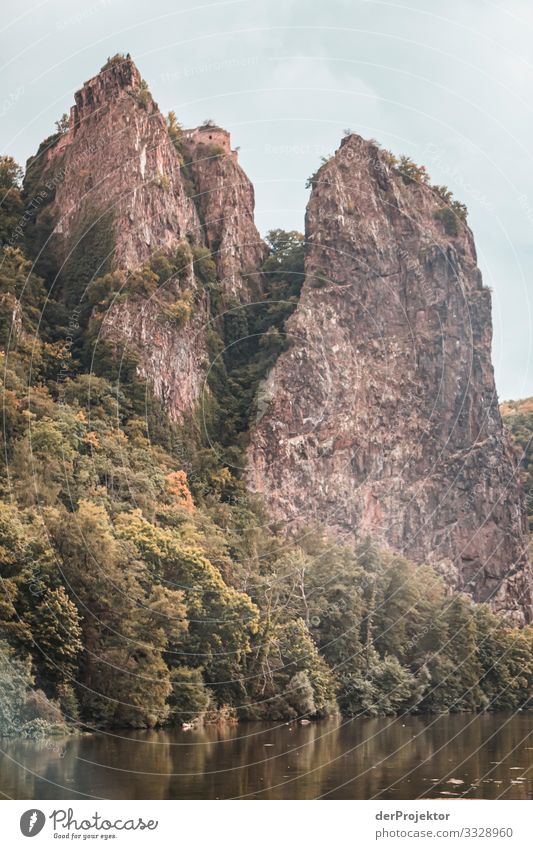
116,162
115,190
224,197
382,417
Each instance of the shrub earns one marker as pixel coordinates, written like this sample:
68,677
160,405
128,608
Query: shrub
211,151
162,265
143,95
412,173
179,312
117,59
315,178
183,260
175,129
15,683
460,209
142,282
162,181
443,192
189,699
63,124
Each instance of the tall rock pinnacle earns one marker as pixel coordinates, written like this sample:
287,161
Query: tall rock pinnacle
225,202
382,417
116,161
120,189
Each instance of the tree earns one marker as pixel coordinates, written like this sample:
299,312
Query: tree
63,124
221,620
10,173
15,681
189,699
56,631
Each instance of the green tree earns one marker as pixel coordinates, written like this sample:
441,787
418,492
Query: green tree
56,631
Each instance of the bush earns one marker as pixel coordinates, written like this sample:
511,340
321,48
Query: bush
143,95
143,282
117,59
15,683
175,129
460,209
315,178
40,729
211,151
62,126
444,193
409,171
183,260
162,181
179,312
38,706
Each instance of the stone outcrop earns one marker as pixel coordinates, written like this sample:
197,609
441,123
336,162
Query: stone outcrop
118,190
117,161
225,202
173,360
382,416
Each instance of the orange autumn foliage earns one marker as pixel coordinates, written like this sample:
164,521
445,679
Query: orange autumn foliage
177,485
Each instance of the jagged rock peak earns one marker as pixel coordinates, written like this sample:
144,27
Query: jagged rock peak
382,417
225,202
118,76
118,159
121,187
115,170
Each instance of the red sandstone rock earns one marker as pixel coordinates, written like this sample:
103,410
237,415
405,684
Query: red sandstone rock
383,418
117,161
117,158
225,202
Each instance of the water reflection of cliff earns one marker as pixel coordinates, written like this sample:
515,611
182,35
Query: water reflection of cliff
484,756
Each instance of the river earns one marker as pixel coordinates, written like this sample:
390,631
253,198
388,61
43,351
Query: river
484,756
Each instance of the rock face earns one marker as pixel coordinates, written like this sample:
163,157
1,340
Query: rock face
116,160
173,360
225,202
117,191
382,417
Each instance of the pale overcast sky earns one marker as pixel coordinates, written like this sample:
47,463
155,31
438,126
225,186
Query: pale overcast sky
448,83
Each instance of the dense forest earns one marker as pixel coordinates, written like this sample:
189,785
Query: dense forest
143,585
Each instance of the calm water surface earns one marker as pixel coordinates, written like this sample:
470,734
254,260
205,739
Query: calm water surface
485,756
